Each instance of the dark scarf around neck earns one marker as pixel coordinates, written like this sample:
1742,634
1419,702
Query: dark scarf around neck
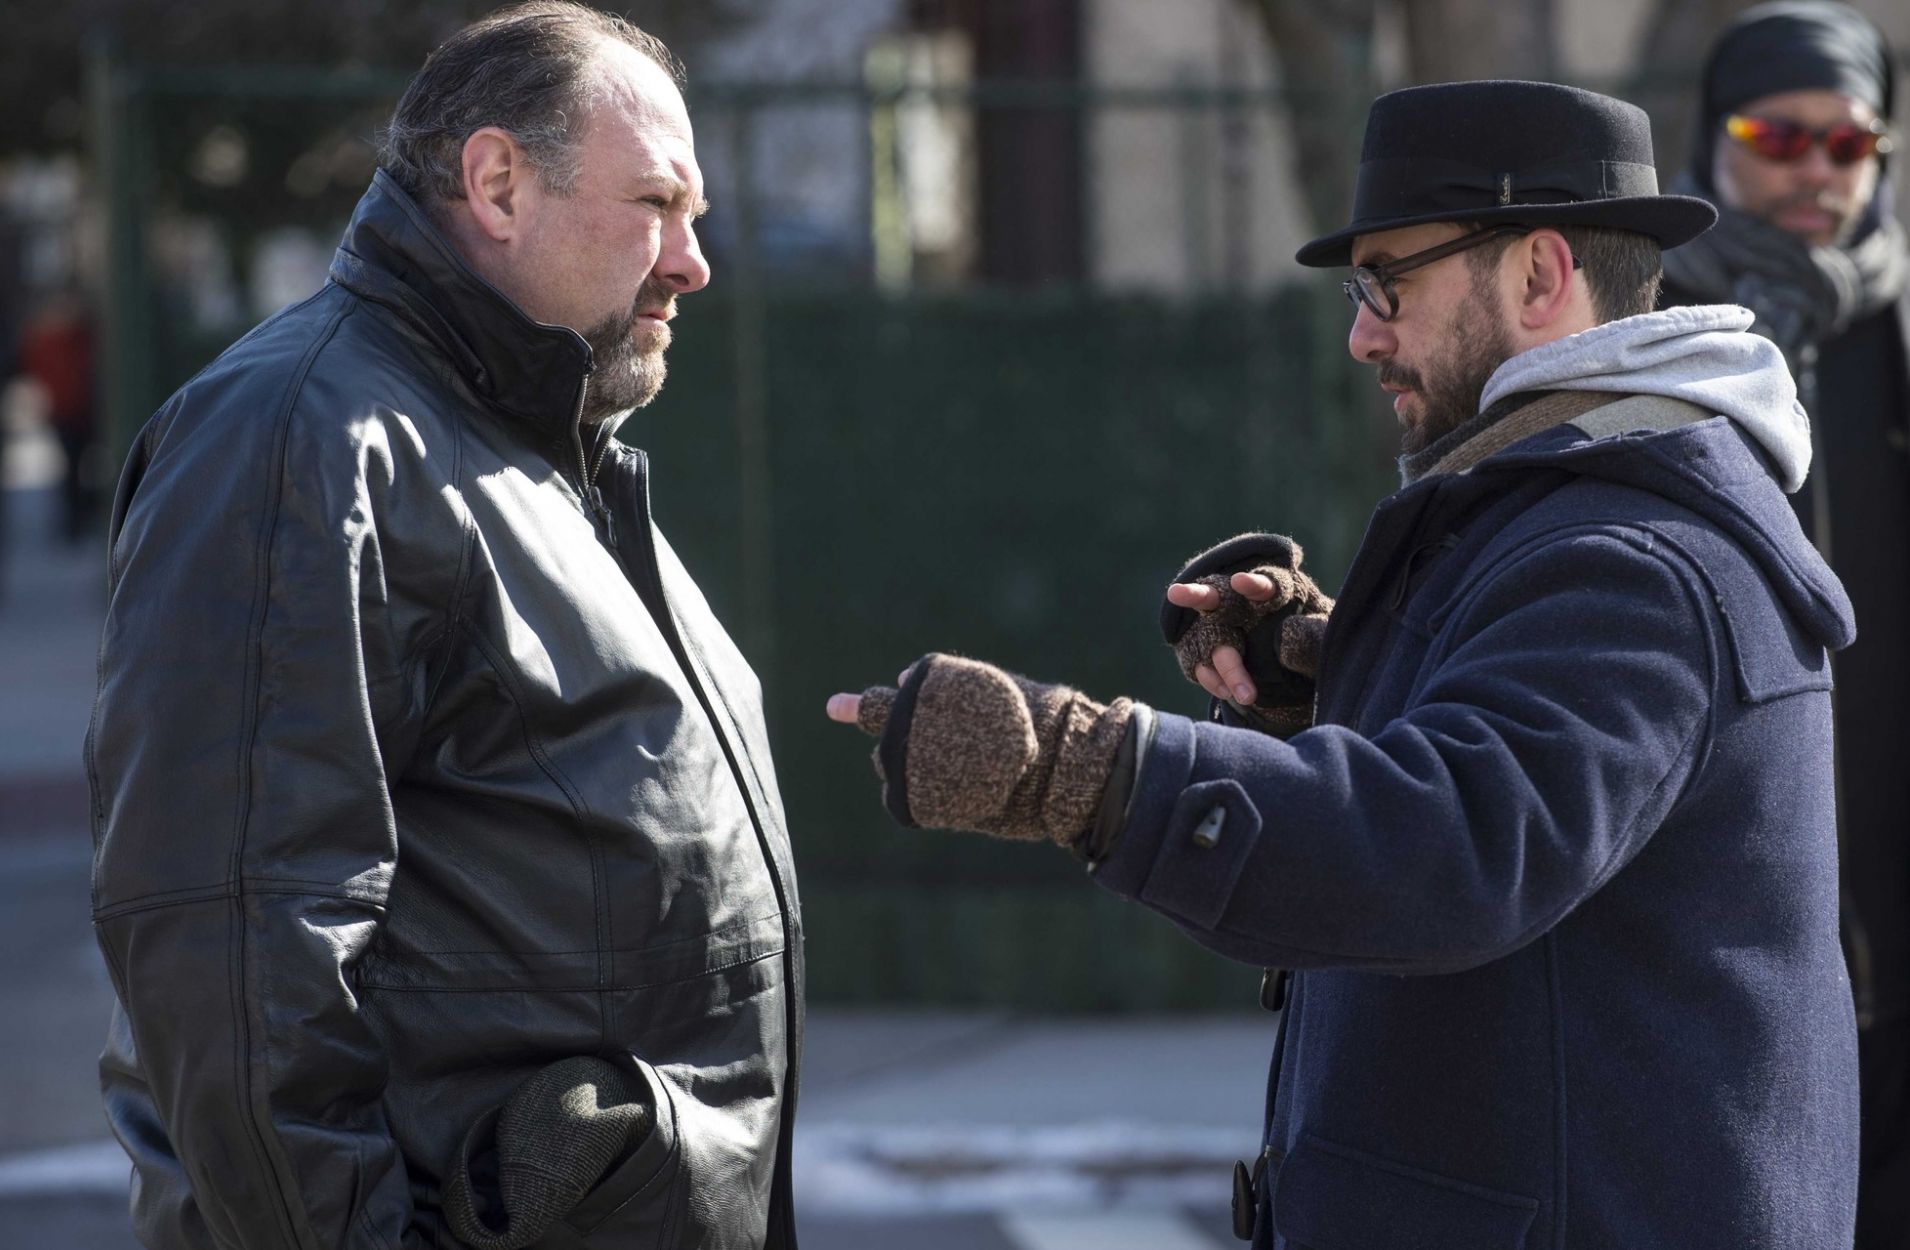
1800,294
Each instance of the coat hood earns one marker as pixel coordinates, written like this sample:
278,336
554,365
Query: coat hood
1746,438
1704,355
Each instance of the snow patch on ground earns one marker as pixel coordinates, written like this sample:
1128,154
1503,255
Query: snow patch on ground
853,1169
862,1169
92,1167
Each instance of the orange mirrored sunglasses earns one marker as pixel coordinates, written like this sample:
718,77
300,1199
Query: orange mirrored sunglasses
1775,139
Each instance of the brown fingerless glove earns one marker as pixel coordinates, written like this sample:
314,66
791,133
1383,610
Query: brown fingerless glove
966,745
1267,634
1300,638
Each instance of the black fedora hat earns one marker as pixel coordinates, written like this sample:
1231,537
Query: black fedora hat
1535,153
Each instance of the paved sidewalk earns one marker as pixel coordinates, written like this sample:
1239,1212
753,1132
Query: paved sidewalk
929,1130
906,1111
52,597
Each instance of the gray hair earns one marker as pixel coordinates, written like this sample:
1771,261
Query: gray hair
527,70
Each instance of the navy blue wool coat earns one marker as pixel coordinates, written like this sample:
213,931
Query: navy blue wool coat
1555,872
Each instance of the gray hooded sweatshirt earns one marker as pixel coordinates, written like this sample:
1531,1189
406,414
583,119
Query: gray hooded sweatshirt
1703,354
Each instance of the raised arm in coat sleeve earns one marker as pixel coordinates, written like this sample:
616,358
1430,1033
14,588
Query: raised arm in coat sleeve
1546,743
251,696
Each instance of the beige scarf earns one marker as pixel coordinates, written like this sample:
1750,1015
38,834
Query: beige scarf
1620,413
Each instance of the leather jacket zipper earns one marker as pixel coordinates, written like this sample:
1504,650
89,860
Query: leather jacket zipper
588,469
586,485
650,589
607,523
647,580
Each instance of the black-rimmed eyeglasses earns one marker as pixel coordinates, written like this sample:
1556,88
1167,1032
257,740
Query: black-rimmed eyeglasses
1372,285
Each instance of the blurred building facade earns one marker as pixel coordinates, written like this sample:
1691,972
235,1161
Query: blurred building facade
1160,159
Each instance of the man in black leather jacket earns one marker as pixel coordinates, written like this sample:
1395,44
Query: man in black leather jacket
440,868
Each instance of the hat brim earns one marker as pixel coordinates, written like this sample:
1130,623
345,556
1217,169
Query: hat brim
1669,219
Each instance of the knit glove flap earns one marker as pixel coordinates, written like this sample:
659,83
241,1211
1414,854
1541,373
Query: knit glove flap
966,745
557,1135
1278,638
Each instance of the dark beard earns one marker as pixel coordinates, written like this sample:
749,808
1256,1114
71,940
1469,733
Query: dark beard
626,376
1848,216
1478,342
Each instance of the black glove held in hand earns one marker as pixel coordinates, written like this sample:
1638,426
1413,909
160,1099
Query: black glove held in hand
1277,638
966,745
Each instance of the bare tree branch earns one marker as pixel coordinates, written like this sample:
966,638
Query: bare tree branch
40,56
1324,51
1453,40
1671,50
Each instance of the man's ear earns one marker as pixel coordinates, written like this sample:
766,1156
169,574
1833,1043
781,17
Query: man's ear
495,183
1545,285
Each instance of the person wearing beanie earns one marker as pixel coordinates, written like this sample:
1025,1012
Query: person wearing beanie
1794,137
1531,827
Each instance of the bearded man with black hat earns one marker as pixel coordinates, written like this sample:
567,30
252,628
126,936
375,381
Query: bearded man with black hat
1545,847
1791,146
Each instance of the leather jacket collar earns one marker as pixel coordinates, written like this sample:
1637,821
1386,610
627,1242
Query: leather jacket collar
394,256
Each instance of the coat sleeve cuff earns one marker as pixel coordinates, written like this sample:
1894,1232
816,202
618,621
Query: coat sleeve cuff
1185,842
1111,816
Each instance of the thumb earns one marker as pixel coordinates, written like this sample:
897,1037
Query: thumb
872,715
1269,584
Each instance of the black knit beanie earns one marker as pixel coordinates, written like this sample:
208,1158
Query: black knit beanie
1790,45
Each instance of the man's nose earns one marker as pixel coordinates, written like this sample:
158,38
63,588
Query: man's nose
1815,167
1371,340
681,263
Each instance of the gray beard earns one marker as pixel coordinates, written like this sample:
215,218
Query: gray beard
625,378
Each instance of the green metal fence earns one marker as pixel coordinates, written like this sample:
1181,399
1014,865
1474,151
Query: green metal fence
1008,478
858,472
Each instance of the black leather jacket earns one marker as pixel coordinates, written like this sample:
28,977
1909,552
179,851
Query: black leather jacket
419,763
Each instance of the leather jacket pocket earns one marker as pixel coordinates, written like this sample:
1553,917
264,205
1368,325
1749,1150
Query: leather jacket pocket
1330,1197
632,1205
